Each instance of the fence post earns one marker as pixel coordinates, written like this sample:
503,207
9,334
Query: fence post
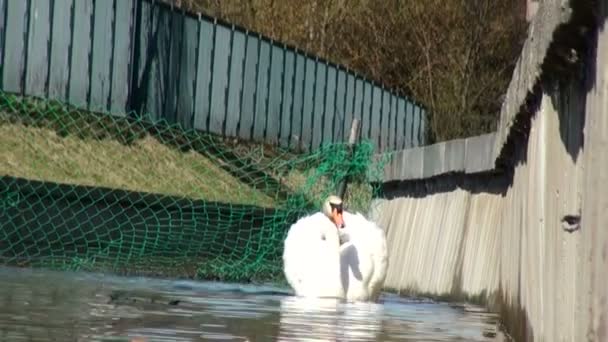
352,140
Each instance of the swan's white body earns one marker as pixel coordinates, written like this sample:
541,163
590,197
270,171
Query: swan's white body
311,258
321,260
364,258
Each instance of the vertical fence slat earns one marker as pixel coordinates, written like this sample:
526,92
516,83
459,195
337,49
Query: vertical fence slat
409,121
288,93
416,127
121,62
142,57
358,102
187,73
298,101
349,104
237,55
15,45
319,105
400,132
81,48
385,117
392,136
249,88
203,74
37,51
3,18
102,55
308,107
274,95
156,53
422,132
340,107
365,110
329,113
171,68
60,47
375,129
219,76
261,99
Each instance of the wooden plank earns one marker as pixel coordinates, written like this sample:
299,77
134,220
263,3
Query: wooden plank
308,106
15,45
261,99
329,113
423,122
298,101
376,117
219,81
400,130
156,77
203,74
365,110
409,120
187,73
102,56
349,103
392,136
171,70
121,62
416,126
60,48
358,103
273,121
3,5
422,131
287,109
78,88
340,112
235,82
249,88
384,118
319,105
37,68
141,60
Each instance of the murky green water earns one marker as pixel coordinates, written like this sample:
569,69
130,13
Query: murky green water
39,305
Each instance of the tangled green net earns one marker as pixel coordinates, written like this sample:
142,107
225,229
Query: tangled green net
121,194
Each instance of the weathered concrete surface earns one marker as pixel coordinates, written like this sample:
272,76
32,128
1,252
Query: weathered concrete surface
500,238
471,155
503,237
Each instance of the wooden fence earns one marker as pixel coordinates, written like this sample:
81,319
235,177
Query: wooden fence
120,56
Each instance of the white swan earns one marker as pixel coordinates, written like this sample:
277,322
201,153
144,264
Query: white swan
364,258
320,260
311,258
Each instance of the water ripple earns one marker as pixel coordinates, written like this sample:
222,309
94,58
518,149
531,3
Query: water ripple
42,305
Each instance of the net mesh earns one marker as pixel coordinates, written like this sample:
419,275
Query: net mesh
97,192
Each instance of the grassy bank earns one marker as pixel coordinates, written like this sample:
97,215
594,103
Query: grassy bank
50,141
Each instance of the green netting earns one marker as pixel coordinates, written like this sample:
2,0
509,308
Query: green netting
96,192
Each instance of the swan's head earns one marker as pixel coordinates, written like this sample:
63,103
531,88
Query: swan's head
332,208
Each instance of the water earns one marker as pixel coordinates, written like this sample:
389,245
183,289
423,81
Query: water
39,305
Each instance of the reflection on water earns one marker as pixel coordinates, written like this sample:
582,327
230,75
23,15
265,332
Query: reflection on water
54,306
329,320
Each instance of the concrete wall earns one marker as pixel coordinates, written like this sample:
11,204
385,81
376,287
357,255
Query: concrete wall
500,233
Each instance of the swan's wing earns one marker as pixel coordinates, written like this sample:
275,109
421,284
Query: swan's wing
306,251
370,240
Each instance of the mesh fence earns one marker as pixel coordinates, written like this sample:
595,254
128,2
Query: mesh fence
96,192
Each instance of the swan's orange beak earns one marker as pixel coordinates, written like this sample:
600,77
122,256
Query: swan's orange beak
337,218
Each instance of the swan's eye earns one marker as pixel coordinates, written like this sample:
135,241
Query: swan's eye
337,207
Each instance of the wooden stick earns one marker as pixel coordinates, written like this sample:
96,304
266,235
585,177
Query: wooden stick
352,140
